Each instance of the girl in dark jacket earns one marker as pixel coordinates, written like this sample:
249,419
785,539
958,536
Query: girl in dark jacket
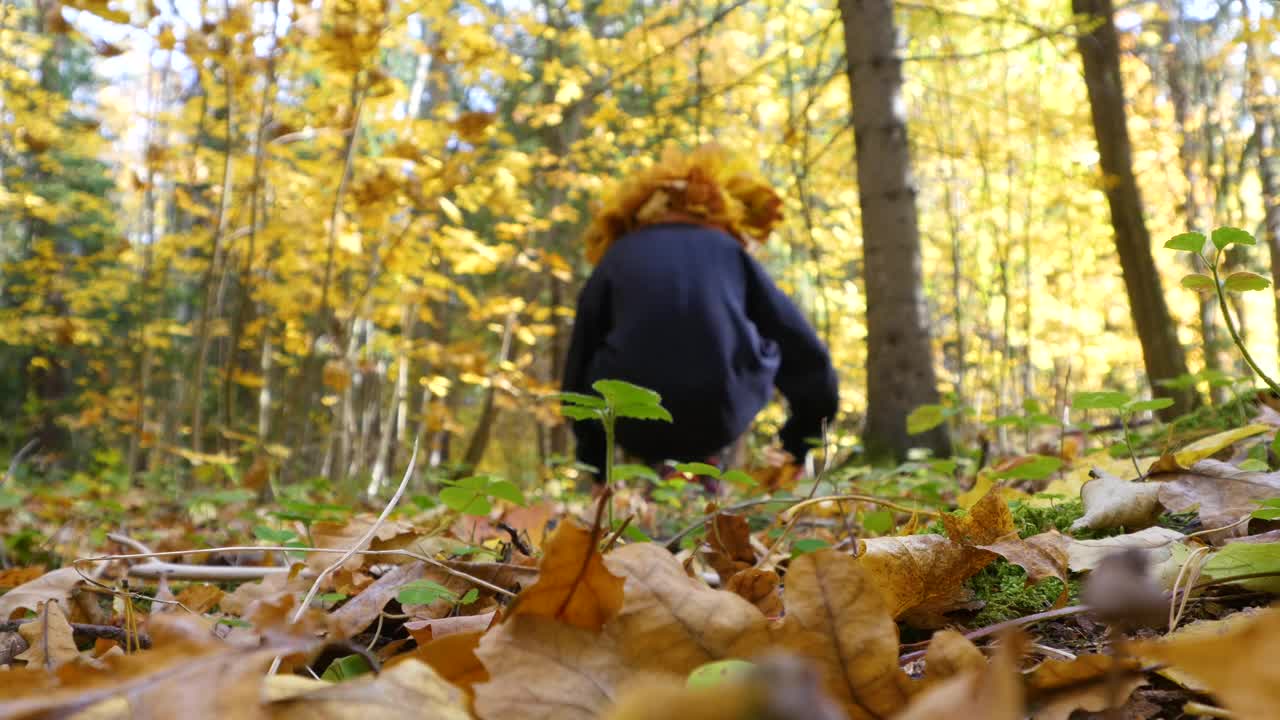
676,304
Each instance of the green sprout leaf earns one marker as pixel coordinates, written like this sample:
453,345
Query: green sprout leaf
925,418
424,592
573,398
878,521
637,411
697,468
1224,236
465,500
1041,467
1188,241
1245,281
626,472
1148,405
579,413
740,478
508,491
619,393
1197,281
1104,400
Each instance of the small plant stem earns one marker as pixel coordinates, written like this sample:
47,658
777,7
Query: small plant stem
1124,426
608,420
1231,327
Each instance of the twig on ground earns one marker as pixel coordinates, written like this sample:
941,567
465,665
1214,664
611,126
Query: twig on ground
108,632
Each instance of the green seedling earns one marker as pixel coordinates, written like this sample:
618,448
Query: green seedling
1125,407
617,399
475,495
1236,282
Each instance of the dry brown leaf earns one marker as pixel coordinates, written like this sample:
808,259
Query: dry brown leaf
1058,688
1110,502
986,522
1157,542
949,654
453,657
1042,556
362,610
56,585
49,638
1234,660
200,598
541,669
673,623
993,692
758,587
915,571
15,576
425,631
343,536
410,690
531,519
836,617
730,551
1223,493
238,601
187,668
573,585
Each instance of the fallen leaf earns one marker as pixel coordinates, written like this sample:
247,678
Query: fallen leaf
541,669
410,690
950,654
15,576
1092,683
362,610
1223,493
671,622
56,585
1042,556
201,598
573,585
730,552
836,617
1110,502
49,638
914,571
424,631
1071,481
1156,541
453,657
1241,558
343,536
532,519
758,587
237,602
987,521
1206,447
1235,663
991,692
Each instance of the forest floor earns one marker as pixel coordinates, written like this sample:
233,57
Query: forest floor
1092,579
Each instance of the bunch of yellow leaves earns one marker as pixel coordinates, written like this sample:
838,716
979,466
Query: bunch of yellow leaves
709,185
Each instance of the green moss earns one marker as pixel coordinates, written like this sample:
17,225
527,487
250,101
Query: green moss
1003,587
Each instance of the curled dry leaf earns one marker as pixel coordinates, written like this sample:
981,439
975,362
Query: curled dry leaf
1205,448
238,601
425,631
1234,660
991,692
200,598
1092,683
57,585
1157,542
360,611
573,585
410,690
49,638
950,654
541,669
1223,493
1110,502
836,617
986,522
453,657
671,622
343,536
730,552
758,587
1042,556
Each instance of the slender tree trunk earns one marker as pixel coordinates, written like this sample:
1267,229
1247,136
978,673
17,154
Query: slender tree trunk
1266,131
900,372
1163,355
489,411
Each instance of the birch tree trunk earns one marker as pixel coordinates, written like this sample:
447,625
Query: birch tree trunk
1162,354
900,372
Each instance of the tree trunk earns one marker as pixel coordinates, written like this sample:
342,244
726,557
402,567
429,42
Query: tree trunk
1162,354
1266,130
900,373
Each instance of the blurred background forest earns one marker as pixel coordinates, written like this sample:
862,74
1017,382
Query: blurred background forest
262,237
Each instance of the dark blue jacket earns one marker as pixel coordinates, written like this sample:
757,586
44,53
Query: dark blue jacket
684,310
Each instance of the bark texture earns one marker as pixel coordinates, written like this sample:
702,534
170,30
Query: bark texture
900,370
1162,354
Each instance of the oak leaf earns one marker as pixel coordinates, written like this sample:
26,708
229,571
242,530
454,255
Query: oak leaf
950,654
1092,683
49,638
573,585
56,585
987,521
1157,542
1042,556
409,690
991,692
454,658
921,571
